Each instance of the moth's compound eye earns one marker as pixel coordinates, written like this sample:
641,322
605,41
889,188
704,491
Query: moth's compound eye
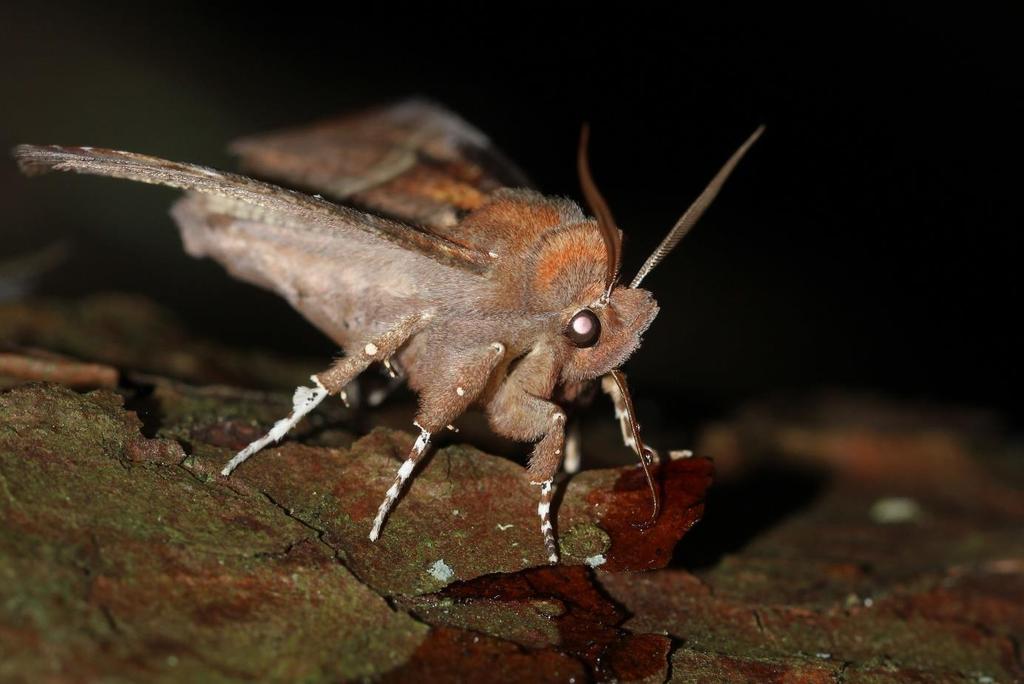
584,328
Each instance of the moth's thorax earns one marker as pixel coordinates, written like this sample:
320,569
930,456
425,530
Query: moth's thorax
546,253
567,267
511,220
550,261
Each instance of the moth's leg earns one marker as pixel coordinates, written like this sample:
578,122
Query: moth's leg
441,403
351,395
547,488
579,395
378,349
418,448
519,412
523,416
609,387
372,391
544,462
573,453
305,400
376,395
333,381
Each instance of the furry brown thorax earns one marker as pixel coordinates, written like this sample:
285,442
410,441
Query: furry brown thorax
562,254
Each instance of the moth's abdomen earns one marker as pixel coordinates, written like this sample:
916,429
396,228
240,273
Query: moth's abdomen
545,250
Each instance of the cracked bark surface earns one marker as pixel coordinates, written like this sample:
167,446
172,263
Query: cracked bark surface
118,559
847,539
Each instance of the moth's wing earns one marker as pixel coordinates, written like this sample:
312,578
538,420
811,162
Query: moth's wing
414,161
350,287
249,199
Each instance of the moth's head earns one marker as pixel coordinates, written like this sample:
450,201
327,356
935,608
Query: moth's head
607,331
604,333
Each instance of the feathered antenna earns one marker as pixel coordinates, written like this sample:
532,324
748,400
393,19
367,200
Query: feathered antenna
645,453
696,210
605,221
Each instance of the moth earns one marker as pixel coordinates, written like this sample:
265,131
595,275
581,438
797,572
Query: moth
410,241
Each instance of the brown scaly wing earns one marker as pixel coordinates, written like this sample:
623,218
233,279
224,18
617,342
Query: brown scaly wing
414,161
246,198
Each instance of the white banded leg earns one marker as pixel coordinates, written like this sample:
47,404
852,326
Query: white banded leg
403,474
305,400
622,415
376,396
544,511
573,453
334,380
350,394
440,404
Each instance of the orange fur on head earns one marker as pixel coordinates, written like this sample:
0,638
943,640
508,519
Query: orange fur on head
511,221
567,263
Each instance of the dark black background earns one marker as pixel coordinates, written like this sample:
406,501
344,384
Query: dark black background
871,240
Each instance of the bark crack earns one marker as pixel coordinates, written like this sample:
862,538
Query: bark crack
318,532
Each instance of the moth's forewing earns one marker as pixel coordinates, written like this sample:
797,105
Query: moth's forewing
349,272
414,161
349,287
247,198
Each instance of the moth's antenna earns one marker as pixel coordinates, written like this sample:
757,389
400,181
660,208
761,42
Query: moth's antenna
696,210
605,221
645,453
